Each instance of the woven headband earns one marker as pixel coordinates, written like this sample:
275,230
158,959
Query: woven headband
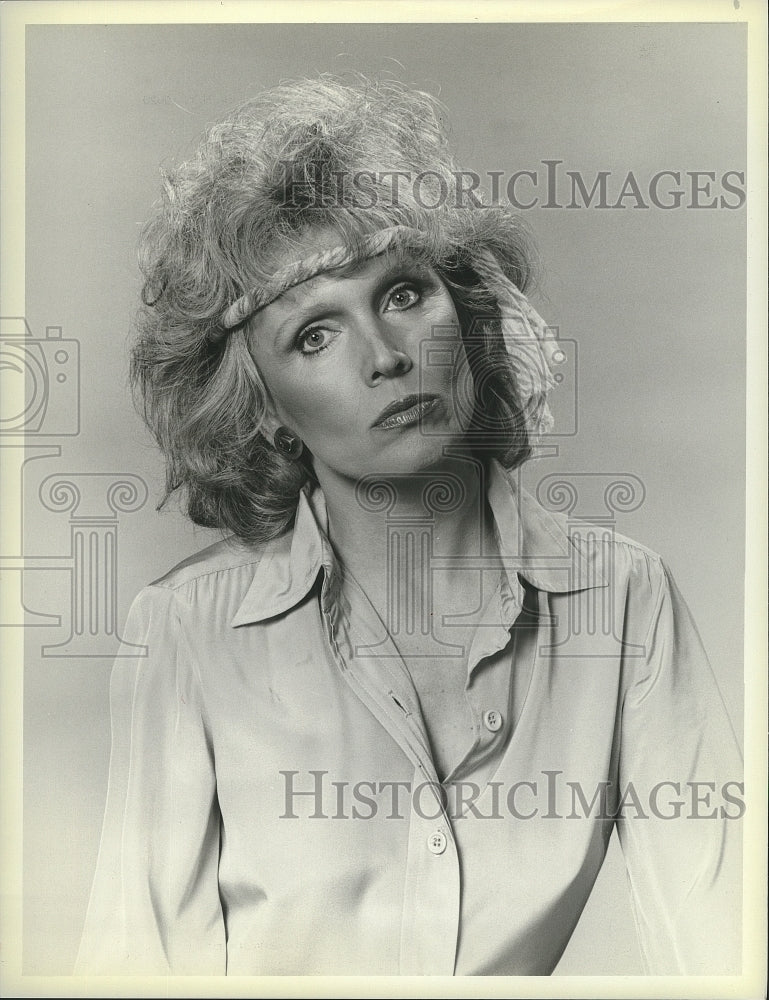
303,270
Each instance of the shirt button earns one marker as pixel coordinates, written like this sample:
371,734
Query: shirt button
492,720
436,842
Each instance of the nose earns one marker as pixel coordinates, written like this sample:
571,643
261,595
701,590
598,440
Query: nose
383,359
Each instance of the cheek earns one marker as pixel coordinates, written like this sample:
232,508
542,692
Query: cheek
464,393
456,374
287,400
294,405
320,409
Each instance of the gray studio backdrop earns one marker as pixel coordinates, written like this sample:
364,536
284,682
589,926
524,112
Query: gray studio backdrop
653,298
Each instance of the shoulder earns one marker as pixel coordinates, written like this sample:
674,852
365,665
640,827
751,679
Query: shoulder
634,572
564,552
583,554
634,548
626,564
225,557
197,599
643,591
207,588
634,556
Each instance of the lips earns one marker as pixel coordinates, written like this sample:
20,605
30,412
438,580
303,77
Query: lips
403,412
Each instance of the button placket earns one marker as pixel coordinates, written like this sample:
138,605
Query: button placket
430,926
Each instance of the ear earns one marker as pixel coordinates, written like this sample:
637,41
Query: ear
270,421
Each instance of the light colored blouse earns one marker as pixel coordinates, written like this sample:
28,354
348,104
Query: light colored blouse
273,807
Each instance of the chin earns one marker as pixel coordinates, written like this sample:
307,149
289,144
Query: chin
416,455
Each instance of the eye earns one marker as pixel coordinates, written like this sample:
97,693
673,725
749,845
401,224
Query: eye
314,340
402,297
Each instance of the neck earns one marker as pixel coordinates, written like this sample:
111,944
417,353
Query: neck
386,528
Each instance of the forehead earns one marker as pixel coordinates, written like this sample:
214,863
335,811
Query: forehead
343,279
318,241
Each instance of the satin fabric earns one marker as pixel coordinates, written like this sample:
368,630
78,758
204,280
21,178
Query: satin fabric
273,807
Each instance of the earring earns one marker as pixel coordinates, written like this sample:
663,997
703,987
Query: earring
288,443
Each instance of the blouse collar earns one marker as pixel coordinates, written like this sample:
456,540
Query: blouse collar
536,545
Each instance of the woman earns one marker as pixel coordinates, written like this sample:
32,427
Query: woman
388,724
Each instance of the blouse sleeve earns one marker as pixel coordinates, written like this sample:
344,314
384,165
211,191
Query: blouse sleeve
154,906
682,793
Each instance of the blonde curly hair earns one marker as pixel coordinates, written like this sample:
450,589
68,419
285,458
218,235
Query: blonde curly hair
312,153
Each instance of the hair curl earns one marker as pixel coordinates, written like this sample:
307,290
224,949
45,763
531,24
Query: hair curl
257,183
